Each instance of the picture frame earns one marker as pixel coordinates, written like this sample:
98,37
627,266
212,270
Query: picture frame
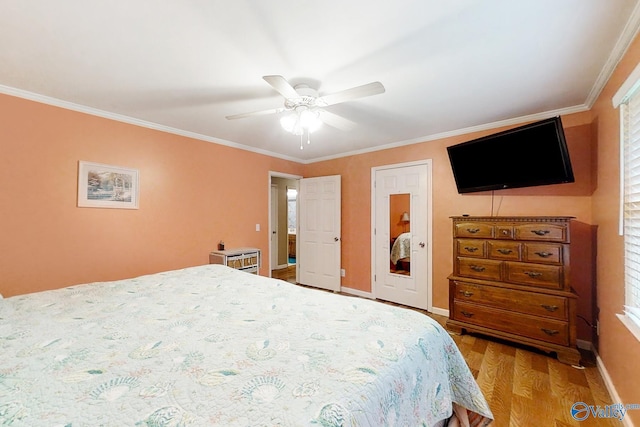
107,186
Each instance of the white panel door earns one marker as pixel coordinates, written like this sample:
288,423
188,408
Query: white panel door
410,286
319,232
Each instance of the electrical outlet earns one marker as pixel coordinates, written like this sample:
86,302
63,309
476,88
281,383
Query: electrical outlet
342,272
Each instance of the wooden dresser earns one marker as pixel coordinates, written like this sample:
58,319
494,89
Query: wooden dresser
511,280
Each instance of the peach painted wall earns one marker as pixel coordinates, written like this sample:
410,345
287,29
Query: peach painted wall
617,348
192,194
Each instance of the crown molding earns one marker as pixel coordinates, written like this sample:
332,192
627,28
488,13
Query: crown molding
458,132
55,102
628,34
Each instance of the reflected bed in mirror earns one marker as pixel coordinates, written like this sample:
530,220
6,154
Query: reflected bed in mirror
401,254
400,226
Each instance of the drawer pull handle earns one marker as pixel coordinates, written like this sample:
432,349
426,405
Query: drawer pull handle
473,230
549,308
477,268
540,232
544,254
550,332
533,274
466,313
504,251
470,249
466,293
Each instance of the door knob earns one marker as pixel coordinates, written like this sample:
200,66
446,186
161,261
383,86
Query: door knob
421,244
335,239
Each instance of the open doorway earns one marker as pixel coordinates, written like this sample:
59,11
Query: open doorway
284,226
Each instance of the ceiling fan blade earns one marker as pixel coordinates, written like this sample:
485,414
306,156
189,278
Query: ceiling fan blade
255,113
355,92
280,84
336,121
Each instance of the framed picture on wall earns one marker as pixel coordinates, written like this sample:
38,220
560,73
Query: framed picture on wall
106,186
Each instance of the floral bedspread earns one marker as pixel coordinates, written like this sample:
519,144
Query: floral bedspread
213,346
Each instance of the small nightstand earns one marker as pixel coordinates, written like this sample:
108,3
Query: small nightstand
245,259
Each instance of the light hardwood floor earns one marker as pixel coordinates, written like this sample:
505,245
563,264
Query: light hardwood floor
523,386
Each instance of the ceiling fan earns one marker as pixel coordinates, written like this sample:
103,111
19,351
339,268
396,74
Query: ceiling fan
306,106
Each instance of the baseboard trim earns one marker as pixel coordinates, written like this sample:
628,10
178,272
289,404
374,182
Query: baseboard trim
626,421
440,311
357,292
586,345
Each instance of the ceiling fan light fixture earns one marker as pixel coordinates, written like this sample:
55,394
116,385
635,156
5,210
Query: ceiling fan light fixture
301,120
303,106
310,120
290,123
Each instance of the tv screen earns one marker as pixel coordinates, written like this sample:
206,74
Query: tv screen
526,156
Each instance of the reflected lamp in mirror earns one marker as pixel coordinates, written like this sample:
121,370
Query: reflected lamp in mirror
405,220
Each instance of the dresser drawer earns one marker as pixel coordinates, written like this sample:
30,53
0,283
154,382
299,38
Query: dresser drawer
471,248
544,329
548,253
504,232
508,299
234,262
544,276
541,231
504,250
479,268
474,229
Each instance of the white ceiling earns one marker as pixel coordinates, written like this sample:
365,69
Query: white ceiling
182,66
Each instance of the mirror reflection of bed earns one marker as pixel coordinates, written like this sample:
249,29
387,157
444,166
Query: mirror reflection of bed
400,232
401,254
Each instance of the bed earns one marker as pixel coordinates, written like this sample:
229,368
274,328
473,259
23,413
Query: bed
213,346
401,248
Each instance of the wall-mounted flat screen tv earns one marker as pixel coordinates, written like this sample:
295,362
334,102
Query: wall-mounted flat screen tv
526,156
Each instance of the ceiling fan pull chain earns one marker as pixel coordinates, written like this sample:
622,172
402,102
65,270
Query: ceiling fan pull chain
301,147
308,136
